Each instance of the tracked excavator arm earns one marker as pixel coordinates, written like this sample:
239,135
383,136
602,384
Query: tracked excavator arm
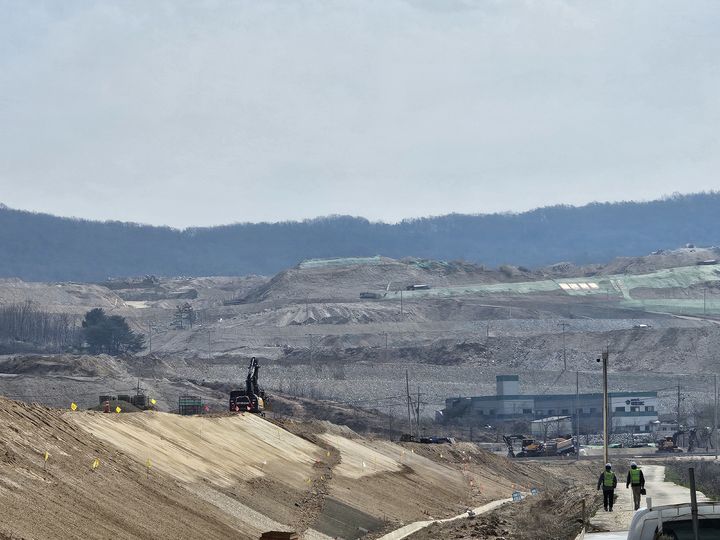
252,398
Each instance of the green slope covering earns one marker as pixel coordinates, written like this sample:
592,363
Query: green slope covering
611,285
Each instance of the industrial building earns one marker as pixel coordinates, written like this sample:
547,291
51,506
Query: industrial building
630,412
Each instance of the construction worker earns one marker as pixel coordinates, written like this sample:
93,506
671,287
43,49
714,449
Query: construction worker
608,481
636,479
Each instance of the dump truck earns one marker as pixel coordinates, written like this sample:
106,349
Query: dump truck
530,447
251,398
418,287
562,446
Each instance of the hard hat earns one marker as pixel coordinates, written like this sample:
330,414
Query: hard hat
608,466
633,464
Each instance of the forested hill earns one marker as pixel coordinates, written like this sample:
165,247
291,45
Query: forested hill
43,247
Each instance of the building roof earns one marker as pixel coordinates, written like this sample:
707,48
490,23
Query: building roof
548,397
550,419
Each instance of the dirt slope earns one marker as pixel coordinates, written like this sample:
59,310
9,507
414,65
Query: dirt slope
293,480
229,476
70,500
221,450
347,278
74,298
553,515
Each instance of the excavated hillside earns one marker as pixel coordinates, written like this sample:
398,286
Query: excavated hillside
347,278
316,337
72,298
344,279
166,476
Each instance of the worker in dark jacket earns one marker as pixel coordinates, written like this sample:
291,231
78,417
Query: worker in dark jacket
608,481
636,479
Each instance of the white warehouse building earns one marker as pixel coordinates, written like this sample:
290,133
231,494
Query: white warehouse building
630,412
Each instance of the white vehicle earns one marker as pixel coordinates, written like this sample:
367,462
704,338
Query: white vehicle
674,522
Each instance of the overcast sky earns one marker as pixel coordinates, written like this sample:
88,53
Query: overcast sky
210,112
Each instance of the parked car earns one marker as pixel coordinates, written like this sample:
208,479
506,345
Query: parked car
675,521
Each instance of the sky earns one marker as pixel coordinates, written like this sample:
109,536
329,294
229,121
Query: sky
203,112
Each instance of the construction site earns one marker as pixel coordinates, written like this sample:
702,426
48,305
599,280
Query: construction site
351,270
302,405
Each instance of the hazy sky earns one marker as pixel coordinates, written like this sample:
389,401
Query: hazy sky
208,112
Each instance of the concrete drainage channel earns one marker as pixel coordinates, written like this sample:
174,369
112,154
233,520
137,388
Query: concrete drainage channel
407,530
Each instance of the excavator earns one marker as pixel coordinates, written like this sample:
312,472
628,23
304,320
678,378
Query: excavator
528,447
668,445
252,398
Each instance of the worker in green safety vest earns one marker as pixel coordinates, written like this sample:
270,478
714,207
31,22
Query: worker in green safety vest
636,479
608,482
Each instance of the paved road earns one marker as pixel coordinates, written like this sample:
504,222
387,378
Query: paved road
661,492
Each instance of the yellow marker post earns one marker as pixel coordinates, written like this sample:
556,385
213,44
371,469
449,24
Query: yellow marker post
46,456
95,464
328,454
153,401
118,409
73,406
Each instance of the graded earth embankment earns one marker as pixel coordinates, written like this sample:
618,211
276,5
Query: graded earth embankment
326,480
66,498
161,475
220,450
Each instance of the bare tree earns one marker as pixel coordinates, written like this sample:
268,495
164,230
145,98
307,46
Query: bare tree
24,325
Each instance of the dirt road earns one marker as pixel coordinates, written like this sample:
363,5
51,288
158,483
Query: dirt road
407,530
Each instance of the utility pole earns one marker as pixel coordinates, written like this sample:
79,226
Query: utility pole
678,407
564,325
577,415
386,347
605,355
409,407
150,336
209,346
418,413
693,504
401,302
704,301
715,423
